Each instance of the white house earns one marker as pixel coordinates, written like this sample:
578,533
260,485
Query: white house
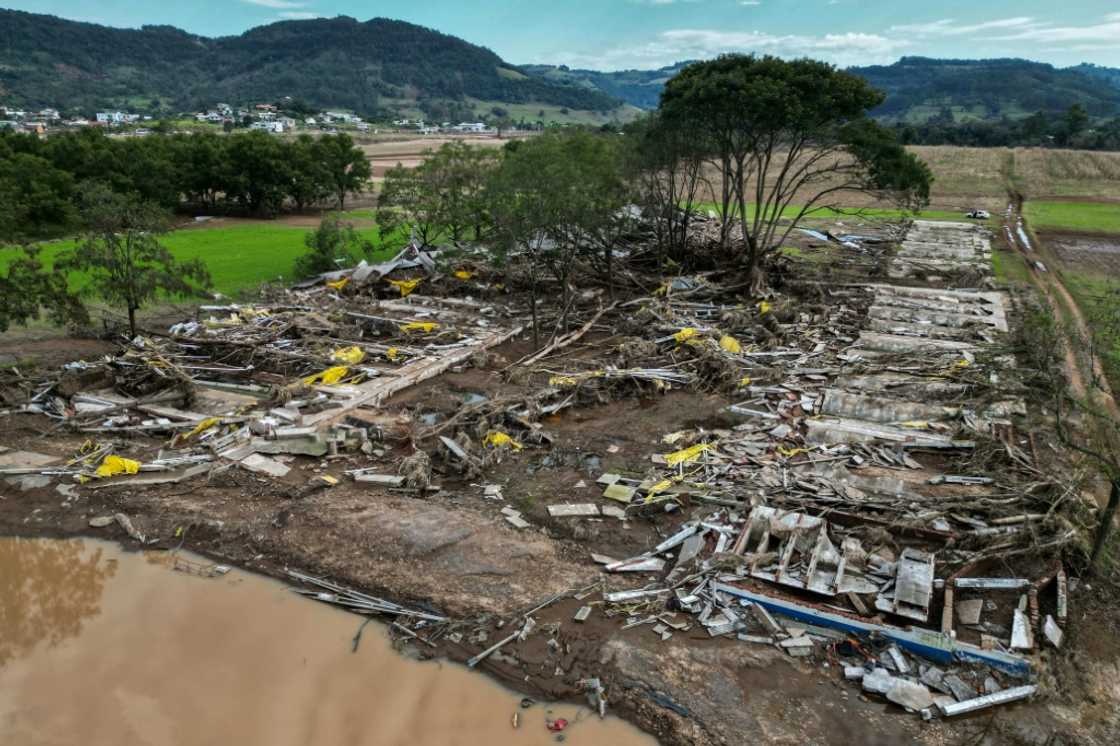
274,127
116,117
470,127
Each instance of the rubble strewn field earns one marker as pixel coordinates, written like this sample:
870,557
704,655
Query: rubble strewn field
835,515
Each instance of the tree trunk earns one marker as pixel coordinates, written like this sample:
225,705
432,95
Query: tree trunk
1104,529
533,308
132,320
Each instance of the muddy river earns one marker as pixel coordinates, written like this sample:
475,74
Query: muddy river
101,647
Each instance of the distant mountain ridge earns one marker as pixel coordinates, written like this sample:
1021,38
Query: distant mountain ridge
383,66
917,87
377,65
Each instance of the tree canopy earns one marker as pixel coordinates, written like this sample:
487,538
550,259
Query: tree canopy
787,137
121,254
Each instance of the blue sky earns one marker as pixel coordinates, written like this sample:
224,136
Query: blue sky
617,34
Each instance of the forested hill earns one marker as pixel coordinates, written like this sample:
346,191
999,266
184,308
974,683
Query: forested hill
376,66
917,88
641,88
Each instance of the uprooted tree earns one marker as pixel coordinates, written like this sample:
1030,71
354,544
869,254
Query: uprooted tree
787,139
121,255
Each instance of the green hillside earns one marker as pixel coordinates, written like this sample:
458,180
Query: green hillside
337,62
917,88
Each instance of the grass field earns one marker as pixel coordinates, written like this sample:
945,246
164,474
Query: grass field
1096,295
1010,267
1075,216
239,257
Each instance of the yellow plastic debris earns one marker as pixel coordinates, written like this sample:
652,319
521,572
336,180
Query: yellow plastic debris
915,425
405,286
203,426
114,465
745,382
685,334
339,284
328,377
563,381
464,275
764,308
392,354
660,487
349,355
420,326
688,454
497,439
791,452
328,480
730,344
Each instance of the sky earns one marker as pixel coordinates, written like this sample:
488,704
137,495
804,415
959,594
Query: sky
646,34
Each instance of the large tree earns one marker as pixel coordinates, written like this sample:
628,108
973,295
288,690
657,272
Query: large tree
347,169
788,138
122,256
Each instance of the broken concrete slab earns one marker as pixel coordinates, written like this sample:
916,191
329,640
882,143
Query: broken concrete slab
26,459
968,612
259,464
382,480
579,510
914,697
1052,632
30,482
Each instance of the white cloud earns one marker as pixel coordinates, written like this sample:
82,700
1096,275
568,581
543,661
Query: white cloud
949,27
1107,31
690,44
299,15
750,3
281,4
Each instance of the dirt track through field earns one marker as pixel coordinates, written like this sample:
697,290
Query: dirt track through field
1064,307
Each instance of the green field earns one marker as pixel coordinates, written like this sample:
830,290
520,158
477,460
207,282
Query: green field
1074,216
1097,295
239,257
1010,267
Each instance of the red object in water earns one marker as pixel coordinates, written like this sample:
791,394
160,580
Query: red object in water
557,725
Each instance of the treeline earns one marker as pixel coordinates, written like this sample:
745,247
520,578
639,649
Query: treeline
1071,130
250,173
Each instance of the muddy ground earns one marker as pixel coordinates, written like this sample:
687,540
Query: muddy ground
1096,253
453,552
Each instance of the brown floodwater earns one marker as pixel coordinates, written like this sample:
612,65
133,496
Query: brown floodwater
105,648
